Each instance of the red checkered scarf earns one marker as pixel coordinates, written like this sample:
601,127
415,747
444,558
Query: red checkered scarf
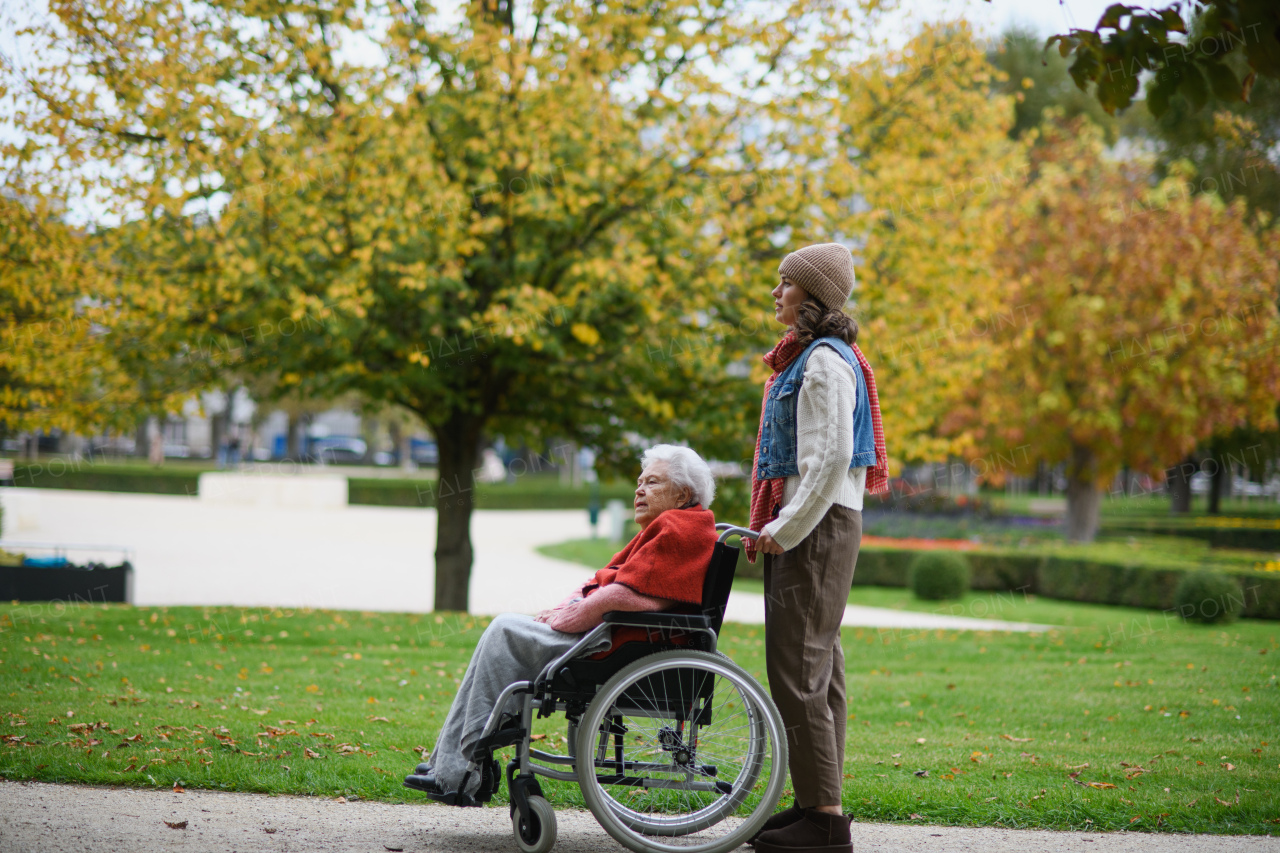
766,495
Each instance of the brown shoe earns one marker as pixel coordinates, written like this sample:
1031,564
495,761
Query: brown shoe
815,832
786,817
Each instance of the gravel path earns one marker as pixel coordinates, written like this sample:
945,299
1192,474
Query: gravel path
187,551
40,818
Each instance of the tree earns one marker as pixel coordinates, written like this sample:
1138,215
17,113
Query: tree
1038,81
926,159
558,223
1225,46
1153,322
57,368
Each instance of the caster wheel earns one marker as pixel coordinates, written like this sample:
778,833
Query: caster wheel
535,831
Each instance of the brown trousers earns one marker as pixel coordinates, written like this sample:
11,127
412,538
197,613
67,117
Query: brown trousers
805,592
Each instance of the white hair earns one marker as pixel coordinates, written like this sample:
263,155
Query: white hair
686,468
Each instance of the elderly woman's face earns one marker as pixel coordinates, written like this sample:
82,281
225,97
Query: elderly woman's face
655,493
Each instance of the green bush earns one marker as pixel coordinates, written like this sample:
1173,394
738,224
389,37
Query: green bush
939,575
1209,597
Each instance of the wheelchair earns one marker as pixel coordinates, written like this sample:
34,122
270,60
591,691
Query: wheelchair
674,746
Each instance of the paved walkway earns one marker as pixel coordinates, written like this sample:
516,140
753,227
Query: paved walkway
186,551
39,818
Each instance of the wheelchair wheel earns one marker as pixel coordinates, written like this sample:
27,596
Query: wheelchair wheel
536,831
681,751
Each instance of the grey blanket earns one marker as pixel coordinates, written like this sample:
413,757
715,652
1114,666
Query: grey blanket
513,648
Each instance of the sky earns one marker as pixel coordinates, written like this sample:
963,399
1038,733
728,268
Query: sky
1046,16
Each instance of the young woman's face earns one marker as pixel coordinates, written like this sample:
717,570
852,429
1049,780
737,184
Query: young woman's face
787,296
655,493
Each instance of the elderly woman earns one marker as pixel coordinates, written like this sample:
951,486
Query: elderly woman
661,568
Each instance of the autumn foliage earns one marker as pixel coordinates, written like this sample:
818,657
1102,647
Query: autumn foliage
1147,322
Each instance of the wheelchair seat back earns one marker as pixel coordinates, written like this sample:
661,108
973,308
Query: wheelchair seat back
718,583
580,679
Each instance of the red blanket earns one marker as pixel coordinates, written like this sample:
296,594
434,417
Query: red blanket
668,559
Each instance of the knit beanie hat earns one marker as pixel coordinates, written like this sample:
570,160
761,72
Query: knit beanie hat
824,270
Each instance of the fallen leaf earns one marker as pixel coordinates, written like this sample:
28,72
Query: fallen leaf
915,816
311,753
538,737
1077,766
378,720
1228,765
341,799
178,789
269,830
922,773
1100,785
1017,739
176,824
393,849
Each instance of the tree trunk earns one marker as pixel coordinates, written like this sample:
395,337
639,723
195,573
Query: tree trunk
1083,497
142,438
1217,478
459,442
218,434
292,450
1180,485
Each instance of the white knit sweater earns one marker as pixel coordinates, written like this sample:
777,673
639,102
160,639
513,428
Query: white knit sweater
824,439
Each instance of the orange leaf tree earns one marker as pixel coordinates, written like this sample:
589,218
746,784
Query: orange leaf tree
1152,322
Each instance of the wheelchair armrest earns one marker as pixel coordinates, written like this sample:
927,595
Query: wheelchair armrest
651,619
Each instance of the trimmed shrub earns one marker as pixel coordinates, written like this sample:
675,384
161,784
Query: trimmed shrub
1068,579
1208,597
939,575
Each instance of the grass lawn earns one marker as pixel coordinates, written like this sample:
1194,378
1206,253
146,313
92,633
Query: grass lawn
1124,721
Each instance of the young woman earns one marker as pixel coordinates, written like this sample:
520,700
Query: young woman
819,449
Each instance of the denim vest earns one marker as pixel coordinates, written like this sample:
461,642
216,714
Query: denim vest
778,435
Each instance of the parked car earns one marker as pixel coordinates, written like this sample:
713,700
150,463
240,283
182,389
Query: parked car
333,449
424,451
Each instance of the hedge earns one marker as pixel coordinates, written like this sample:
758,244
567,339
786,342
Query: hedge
533,494
1066,578
59,473
530,493
1249,538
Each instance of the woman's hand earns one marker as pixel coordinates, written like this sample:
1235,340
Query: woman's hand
767,544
